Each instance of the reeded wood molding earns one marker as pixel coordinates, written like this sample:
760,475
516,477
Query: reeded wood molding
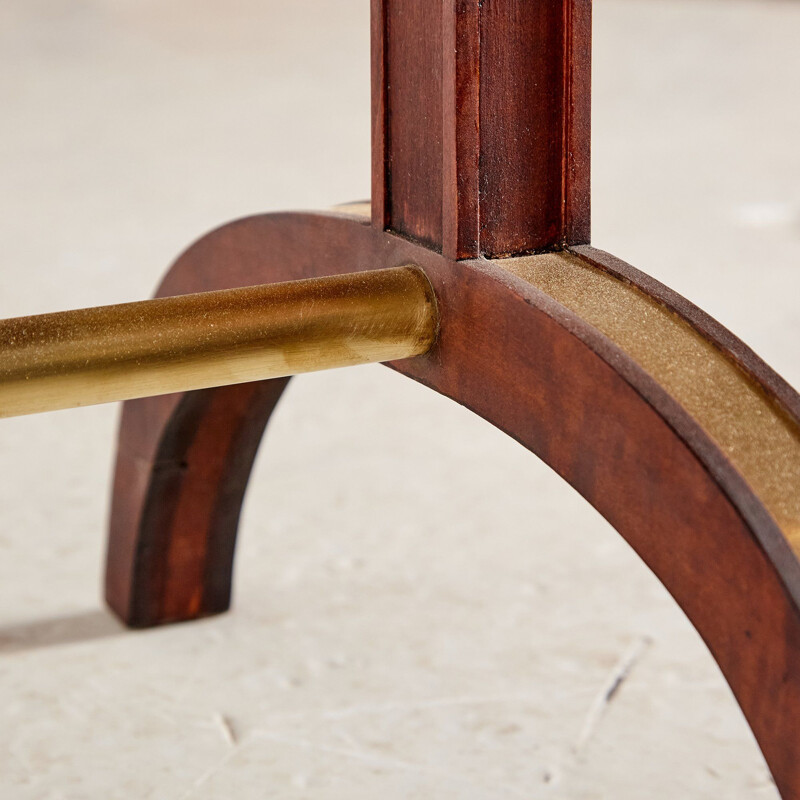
481,123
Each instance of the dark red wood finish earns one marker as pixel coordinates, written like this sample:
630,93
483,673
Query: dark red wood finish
480,148
532,368
182,469
481,123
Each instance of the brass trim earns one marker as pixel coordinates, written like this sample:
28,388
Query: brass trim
175,344
755,433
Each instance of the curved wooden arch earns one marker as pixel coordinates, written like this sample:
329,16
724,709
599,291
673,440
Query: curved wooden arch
547,374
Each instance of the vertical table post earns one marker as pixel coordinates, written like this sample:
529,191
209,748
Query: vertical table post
481,123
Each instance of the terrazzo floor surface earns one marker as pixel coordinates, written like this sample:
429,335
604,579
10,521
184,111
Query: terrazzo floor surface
422,609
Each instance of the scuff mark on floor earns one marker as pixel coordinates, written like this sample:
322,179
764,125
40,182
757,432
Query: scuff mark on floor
226,728
616,678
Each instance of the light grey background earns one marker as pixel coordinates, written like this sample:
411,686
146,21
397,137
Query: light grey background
422,609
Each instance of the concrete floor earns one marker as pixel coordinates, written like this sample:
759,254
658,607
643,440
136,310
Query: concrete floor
422,609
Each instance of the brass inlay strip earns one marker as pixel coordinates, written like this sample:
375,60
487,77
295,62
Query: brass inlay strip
361,210
195,341
757,436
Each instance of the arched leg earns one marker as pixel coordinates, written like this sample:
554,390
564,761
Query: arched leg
178,491
521,346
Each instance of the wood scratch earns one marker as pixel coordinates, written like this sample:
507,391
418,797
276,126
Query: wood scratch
618,675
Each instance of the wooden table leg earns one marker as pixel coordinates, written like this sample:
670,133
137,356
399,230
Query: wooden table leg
678,434
513,350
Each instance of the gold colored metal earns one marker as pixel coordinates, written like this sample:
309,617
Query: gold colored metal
751,428
98,355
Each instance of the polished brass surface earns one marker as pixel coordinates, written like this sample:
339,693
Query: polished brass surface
98,355
757,436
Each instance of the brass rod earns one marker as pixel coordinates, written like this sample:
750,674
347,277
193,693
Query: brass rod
175,344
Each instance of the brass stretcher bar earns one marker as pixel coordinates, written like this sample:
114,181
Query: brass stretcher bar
175,344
